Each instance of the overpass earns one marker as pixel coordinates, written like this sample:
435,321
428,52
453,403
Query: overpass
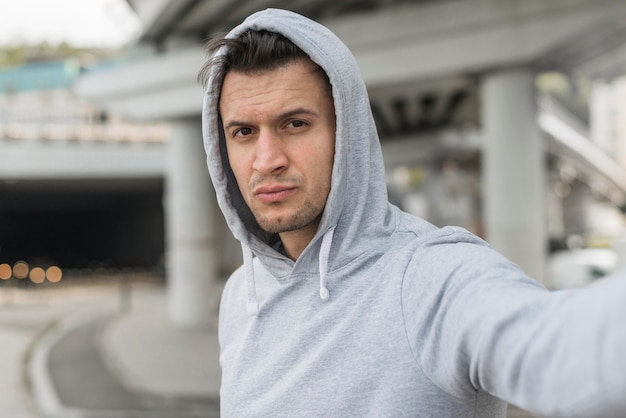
449,79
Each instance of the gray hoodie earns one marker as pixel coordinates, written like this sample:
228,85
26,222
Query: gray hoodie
386,315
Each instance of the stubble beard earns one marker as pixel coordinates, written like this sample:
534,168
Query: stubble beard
302,217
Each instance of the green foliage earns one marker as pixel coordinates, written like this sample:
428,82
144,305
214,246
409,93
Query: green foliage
16,55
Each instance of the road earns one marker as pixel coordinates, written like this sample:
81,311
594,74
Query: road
24,315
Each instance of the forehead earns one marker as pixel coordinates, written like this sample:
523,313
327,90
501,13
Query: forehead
301,79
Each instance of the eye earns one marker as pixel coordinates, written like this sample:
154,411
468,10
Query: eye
243,132
297,123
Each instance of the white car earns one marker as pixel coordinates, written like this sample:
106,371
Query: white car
578,267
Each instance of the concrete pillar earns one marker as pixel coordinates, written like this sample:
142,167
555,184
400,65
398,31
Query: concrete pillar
601,114
513,170
190,208
619,246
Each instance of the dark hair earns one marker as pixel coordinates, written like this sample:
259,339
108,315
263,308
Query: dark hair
253,51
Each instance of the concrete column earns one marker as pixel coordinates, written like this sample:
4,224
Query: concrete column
190,208
601,122
619,246
513,170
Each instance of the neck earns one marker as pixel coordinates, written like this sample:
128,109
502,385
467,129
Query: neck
296,241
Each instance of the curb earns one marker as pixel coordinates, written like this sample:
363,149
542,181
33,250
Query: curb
46,398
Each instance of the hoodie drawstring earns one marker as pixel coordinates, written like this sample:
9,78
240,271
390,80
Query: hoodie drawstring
324,253
252,305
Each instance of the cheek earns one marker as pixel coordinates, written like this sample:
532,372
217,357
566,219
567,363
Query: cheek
327,168
330,156
238,166
324,166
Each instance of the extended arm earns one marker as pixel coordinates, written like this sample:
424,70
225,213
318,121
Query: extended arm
489,327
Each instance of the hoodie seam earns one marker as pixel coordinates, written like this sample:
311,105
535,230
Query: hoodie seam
413,352
312,275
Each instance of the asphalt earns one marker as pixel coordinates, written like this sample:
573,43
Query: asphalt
125,361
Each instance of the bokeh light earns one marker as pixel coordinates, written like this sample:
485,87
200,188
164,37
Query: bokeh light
5,271
54,274
37,275
20,270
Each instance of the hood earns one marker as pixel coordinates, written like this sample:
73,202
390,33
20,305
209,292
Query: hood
357,211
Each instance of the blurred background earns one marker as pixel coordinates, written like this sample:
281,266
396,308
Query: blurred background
505,117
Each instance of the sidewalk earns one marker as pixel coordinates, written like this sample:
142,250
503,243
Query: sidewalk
126,364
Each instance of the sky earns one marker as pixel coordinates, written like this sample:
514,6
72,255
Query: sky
81,23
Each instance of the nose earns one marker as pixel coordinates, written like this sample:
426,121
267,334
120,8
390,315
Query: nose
270,156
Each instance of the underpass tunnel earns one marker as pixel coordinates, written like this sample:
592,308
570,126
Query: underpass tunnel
79,224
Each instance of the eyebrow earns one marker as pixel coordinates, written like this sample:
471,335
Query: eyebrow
285,115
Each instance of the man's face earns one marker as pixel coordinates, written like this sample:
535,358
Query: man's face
280,137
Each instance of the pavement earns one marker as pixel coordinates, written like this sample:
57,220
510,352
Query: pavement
119,357
114,355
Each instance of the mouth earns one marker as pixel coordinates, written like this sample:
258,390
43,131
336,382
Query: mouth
273,194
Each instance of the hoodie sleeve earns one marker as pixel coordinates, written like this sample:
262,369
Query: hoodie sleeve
476,322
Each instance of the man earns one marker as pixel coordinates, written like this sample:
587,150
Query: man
346,306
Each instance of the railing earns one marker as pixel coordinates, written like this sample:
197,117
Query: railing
86,132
